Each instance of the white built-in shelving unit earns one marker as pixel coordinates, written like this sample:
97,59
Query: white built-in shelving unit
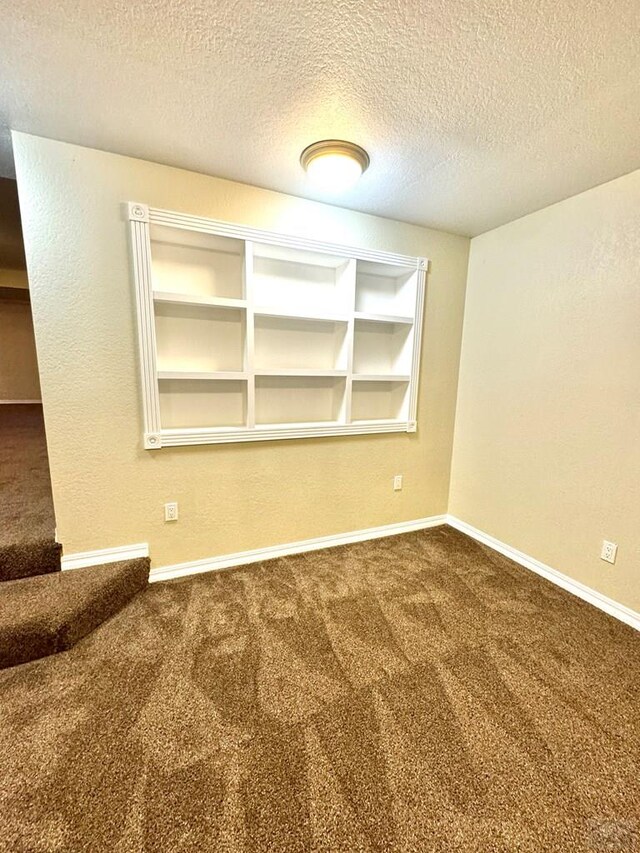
247,335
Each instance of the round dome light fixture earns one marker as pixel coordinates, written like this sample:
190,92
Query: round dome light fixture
333,164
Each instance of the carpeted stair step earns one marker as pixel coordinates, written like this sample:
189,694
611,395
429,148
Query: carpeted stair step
26,559
46,614
27,519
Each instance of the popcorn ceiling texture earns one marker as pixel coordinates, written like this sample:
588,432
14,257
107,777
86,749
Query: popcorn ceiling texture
474,113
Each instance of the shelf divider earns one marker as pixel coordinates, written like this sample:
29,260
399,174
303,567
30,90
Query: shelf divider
302,371
350,282
238,375
383,318
295,314
197,299
249,333
381,377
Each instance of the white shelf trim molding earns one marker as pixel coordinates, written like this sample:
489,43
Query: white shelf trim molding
141,256
275,432
602,602
241,232
211,564
173,360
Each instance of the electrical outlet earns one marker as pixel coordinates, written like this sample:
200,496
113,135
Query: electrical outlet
609,551
397,483
171,512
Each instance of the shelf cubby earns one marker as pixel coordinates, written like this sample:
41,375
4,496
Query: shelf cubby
382,348
378,400
194,263
305,282
199,338
293,343
384,289
202,403
299,399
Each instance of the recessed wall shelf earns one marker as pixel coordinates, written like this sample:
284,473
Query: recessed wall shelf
283,313
194,299
247,335
382,318
380,377
195,374
299,372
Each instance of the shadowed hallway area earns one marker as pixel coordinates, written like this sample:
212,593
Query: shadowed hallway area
413,693
44,610
27,522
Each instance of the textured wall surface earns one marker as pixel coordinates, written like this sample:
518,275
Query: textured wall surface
547,449
18,363
108,491
474,112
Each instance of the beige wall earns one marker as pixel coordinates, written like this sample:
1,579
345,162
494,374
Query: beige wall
108,491
18,364
547,438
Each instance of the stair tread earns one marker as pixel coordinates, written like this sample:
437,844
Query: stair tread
26,510
45,614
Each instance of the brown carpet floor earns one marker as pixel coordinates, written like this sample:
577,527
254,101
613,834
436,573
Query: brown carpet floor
414,693
27,522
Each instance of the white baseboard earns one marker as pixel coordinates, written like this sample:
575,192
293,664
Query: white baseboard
106,555
18,402
619,611
211,564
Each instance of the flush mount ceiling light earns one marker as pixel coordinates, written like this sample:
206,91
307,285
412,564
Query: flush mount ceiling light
334,164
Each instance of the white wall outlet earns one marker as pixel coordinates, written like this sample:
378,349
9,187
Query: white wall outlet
397,482
171,512
609,551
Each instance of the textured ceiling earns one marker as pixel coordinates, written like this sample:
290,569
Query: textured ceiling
474,112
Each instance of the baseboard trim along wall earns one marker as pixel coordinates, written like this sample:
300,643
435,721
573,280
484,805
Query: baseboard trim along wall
105,555
226,561
618,611
210,564
18,402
